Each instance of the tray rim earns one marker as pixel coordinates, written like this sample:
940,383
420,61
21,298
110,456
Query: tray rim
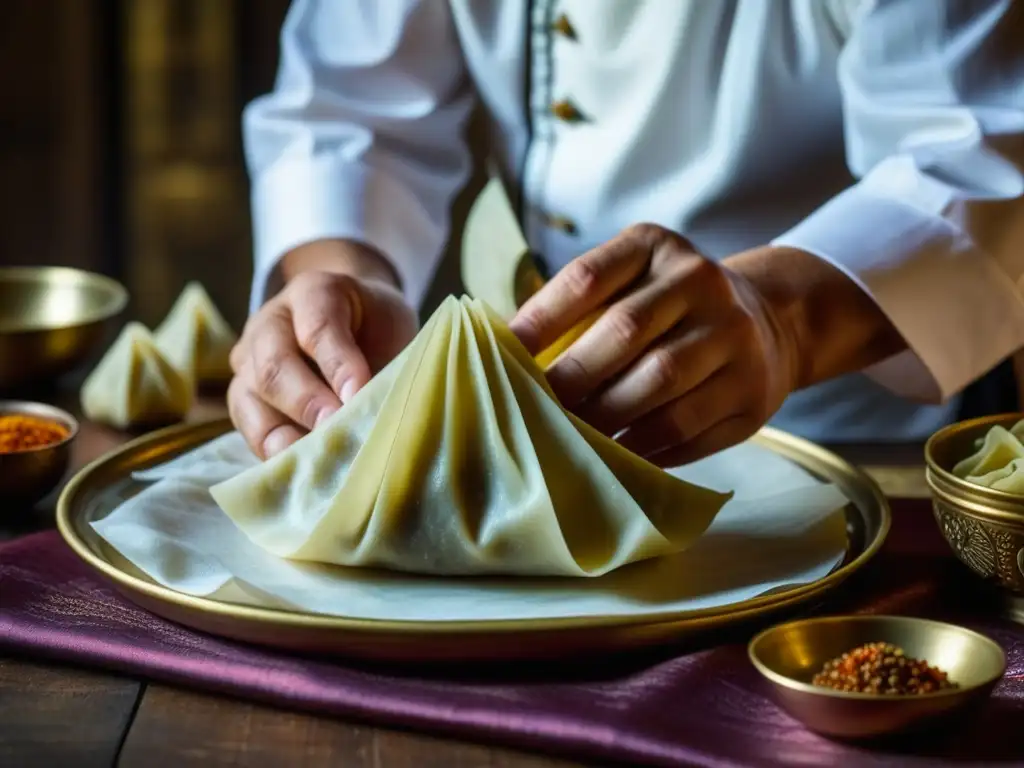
173,440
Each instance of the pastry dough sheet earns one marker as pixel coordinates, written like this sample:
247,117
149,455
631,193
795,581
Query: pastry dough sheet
782,528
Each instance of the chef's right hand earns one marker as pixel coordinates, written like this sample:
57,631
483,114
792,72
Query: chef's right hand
338,320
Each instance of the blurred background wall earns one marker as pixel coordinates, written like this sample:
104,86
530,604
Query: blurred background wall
120,143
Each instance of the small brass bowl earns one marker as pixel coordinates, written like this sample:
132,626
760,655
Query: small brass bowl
52,320
789,655
28,476
984,528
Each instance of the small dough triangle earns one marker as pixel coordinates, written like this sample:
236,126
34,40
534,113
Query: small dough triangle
457,459
196,338
135,385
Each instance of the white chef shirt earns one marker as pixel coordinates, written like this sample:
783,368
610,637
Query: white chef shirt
866,132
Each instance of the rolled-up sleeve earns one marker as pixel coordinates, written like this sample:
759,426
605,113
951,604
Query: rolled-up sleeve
933,96
362,136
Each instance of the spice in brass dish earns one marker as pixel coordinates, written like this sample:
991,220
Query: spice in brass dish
881,668
791,655
52,320
35,449
983,522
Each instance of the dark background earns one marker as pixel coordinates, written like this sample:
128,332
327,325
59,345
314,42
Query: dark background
120,141
120,145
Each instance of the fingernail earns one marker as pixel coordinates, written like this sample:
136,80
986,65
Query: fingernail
325,413
348,390
275,442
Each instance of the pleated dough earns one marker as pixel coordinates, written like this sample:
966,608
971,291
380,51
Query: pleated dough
998,463
1009,478
135,385
196,338
457,459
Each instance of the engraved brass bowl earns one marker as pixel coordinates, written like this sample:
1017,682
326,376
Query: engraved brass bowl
789,655
28,476
52,320
984,528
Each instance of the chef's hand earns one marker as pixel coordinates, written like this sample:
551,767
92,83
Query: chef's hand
691,356
338,320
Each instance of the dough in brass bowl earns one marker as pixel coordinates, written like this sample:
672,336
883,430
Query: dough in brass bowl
52,320
983,524
789,655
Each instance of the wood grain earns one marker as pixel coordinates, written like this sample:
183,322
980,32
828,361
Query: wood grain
58,716
176,728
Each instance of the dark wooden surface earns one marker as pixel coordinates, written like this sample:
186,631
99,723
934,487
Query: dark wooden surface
53,716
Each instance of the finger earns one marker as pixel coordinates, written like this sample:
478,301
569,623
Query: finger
618,338
281,377
582,286
237,356
266,431
679,364
725,434
676,423
325,321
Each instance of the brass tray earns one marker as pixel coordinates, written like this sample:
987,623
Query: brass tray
98,488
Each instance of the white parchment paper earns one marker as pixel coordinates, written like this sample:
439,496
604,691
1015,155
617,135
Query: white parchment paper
782,528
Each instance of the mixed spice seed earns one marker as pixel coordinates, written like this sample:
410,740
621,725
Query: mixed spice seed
881,668
21,432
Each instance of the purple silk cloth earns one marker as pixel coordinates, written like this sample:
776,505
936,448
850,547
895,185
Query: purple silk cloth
687,706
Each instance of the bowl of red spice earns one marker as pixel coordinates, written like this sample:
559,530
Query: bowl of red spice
862,677
35,449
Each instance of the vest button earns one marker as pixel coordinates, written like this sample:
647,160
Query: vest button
566,111
564,27
561,223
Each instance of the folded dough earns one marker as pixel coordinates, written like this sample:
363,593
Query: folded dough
135,385
196,338
1009,478
998,463
457,459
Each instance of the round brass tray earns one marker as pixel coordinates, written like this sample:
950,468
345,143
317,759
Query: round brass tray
98,488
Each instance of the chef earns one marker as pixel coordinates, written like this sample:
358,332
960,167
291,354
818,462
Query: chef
802,212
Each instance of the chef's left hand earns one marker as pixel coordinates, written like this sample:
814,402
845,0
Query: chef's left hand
688,358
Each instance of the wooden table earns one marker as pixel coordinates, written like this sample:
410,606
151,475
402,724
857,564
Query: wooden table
52,715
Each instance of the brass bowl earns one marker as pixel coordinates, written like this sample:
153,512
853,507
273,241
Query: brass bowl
28,476
984,528
52,320
789,655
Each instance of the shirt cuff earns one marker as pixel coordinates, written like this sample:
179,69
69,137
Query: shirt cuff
959,311
297,201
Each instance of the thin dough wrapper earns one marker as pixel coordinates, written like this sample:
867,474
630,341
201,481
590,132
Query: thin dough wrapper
1009,478
457,459
196,338
999,447
998,462
135,385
